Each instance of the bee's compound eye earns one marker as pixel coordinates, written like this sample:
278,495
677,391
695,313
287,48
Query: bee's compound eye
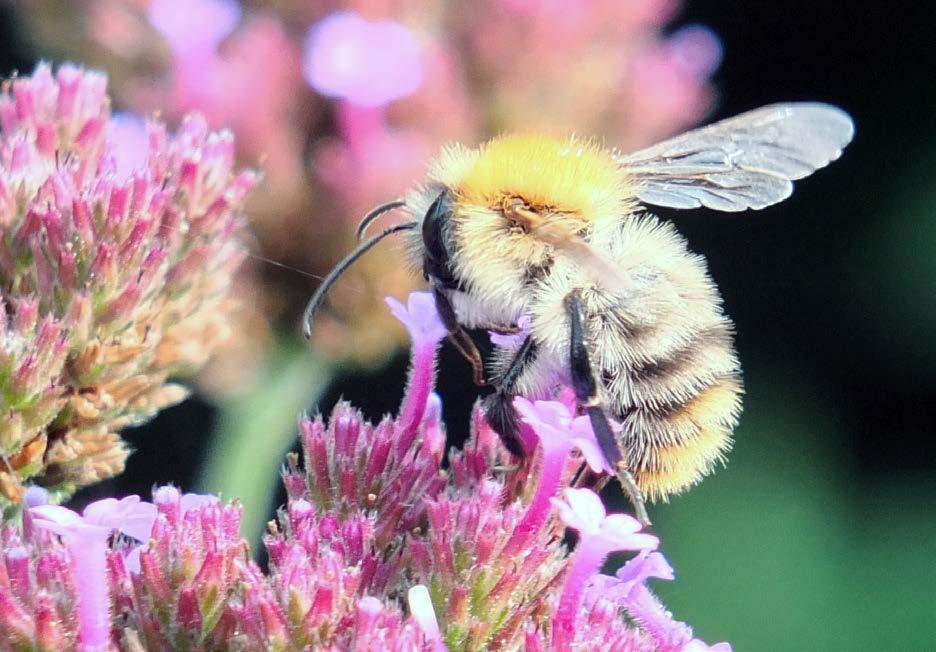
433,227
436,241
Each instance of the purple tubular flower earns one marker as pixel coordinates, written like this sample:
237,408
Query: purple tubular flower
367,63
600,534
86,537
426,329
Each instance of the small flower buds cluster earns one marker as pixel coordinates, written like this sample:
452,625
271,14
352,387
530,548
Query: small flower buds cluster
116,255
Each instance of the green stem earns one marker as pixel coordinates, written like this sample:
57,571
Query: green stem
256,429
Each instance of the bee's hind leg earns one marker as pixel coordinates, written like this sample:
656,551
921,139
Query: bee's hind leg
586,392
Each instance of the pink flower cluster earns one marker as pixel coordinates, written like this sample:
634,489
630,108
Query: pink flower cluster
377,547
117,248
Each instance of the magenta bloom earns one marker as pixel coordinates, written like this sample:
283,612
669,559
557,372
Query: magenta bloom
364,62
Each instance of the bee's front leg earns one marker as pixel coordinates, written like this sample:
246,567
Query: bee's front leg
587,394
458,336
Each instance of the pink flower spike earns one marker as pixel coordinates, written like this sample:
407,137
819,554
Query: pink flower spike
368,63
426,329
420,605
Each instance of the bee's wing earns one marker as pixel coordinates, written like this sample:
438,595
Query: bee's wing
748,161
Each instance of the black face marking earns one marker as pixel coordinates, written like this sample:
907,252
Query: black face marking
436,242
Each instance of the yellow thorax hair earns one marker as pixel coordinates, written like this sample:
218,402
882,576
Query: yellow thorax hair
562,174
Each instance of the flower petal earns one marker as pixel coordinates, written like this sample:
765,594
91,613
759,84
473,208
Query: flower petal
420,317
582,510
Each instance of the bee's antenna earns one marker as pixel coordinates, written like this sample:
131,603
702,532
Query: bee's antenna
340,269
377,212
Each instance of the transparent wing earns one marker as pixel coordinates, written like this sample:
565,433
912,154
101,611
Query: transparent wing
748,161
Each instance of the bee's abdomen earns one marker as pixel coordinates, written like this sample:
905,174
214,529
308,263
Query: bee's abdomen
678,412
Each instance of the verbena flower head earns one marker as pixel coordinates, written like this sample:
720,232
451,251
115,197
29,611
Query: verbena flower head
378,547
115,264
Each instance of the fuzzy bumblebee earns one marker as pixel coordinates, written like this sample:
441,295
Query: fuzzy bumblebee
553,231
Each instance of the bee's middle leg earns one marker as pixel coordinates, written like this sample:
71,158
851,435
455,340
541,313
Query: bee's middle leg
587,394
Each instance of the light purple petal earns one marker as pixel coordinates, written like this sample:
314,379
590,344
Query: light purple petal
513,340
56,518
695,645
128,143
696,51
132,559
583,438
645,565
550,420
129,515
194,24
621,531
368,63
582,510
420,317
35,496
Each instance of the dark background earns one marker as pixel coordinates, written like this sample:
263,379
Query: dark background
820,533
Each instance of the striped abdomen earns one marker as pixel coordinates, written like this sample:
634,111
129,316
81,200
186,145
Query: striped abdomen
667,363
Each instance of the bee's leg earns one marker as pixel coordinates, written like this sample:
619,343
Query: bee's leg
458,336
586,392
498,407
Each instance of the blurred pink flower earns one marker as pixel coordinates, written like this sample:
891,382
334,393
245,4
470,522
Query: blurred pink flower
368,63
128,140
189,25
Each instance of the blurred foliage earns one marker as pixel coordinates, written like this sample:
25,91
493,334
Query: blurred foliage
789,549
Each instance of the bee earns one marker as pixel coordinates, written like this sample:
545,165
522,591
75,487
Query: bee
554,232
